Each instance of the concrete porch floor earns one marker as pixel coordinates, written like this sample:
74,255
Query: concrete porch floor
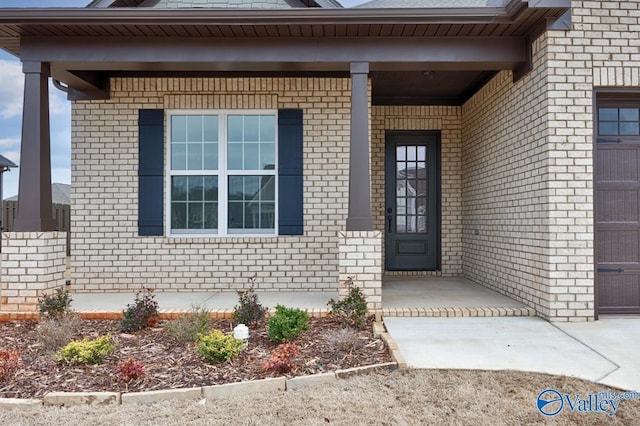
437,296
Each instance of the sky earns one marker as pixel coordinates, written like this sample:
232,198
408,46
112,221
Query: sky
11,93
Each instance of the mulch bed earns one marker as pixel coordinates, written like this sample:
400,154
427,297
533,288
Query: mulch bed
169,364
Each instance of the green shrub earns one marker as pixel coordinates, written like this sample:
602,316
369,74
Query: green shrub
142,313
190,325
87,351
218,346
351,310
249,310
55,305
287,324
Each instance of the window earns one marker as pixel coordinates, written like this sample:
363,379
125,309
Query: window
619,121
222,173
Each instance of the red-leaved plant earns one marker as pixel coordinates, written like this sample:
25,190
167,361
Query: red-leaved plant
9,364
282,358
131,369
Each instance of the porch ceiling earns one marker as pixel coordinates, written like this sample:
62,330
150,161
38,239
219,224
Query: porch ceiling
87,46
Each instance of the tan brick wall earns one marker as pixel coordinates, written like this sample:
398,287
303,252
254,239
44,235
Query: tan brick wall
505,191
448,121
528,163
107,253
32,264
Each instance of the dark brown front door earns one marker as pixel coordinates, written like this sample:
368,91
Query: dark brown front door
617,184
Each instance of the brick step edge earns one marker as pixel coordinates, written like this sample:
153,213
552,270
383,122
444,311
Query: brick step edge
165,314
459,312
292,384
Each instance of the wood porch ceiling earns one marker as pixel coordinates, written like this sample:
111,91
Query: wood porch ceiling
32,33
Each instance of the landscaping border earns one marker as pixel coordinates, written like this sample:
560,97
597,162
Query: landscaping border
275,384
67,399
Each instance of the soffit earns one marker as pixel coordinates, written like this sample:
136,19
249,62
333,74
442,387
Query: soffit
240,23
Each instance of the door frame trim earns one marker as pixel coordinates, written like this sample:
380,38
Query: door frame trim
438,135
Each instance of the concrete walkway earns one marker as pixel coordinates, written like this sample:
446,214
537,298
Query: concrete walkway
604,351
212,300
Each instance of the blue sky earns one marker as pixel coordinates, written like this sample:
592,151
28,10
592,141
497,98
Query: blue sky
11,93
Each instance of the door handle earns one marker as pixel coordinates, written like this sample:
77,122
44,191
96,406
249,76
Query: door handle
390,220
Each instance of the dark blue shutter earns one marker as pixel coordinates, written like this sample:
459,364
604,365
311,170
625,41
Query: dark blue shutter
150,171
290,188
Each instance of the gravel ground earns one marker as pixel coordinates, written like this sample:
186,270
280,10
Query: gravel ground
399,398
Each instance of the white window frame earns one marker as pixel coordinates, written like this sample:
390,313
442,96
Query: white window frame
223,174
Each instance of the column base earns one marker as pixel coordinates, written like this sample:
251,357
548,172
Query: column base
360,258
32,264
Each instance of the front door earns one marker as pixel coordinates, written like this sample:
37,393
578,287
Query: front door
617,184
412,220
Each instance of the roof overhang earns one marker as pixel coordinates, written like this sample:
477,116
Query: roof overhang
86,46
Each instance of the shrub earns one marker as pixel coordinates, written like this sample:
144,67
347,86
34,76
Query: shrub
131,369
190,325
9,364
55,305
142,313
87,351
54,333
282,358
351,310
249,310
287,324
218,346
345,340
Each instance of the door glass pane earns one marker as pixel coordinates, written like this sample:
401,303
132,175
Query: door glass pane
411,186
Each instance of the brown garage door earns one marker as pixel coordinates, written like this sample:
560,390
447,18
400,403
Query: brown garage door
617,160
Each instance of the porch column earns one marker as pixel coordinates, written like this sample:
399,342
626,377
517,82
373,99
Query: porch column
35,211
359,215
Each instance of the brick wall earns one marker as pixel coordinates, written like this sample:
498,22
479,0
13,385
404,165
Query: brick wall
361,260
506,200
448,121
33,263
107,253
528,163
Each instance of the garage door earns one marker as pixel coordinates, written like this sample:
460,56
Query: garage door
617,170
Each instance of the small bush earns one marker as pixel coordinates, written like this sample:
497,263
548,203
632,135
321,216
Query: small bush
345,340
86,351
55,305
282,358
131,369
190,325
352,310
217,346
54,333
249,310
142,313
9,364
287,324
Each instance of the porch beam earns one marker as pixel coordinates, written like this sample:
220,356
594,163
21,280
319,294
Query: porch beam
35,212
232,54
359,215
